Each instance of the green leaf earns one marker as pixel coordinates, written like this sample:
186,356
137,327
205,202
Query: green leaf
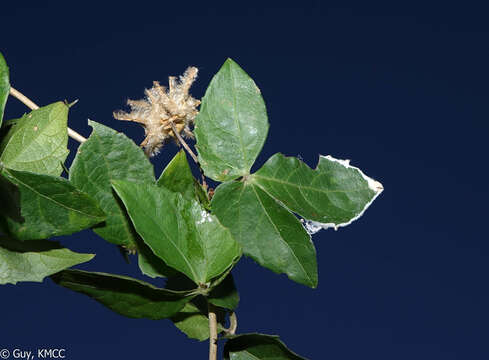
257,347
232,124
108,155
150,264
124,295
4,86
34,260
268,232
38,141
333,195
225,294
10,200
179,231
193,321
177,177
50,206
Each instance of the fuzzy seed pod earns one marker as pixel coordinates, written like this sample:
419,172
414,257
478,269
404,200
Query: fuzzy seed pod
163,107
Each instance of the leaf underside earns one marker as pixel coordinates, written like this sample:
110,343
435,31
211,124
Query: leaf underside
257,347
34,260
124,295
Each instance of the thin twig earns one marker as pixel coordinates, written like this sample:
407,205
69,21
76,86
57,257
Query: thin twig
212,332
31,105
183,143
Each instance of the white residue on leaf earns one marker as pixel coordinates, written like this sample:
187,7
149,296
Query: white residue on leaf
374,185
311,227
204,217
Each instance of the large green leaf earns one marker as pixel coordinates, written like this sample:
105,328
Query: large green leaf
179,231
257,347
38,141
268,233
50,206
177,177
333,195
124,295
4,86
34,260
108,155
232,124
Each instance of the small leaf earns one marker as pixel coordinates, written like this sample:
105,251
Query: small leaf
177,177
124,295
179,231
268,233
193,321
333,195
38,141
257,347
108,155
4,86
34,260
50,206
232,124
225,294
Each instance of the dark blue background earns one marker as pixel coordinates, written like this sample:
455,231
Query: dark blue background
401,90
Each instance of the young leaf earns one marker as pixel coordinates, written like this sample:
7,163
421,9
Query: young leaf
257,347
124,295
225,294
108,155
4,86
34,260
38,141
333,195
268,233
232,124
179,231
194,321
177,177
50,206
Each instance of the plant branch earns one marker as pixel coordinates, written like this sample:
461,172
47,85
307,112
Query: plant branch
183,143
212,332
33,106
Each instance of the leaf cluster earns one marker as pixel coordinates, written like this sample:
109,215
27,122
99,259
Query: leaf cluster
180,229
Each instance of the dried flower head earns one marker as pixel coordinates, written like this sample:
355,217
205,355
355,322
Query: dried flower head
163,108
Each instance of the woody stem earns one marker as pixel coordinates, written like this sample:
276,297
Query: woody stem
31,105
